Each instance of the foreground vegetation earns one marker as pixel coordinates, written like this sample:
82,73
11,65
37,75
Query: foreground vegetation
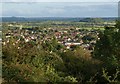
50,62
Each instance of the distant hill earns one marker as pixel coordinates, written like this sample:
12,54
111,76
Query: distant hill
37,19
22,19
98,19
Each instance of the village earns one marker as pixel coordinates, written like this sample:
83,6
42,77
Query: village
69,37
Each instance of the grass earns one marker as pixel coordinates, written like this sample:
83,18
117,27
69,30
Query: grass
96,28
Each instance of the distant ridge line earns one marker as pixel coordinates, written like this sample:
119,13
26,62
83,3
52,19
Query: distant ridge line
34,19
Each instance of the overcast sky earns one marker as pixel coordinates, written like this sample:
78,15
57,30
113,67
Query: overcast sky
60,8
59,0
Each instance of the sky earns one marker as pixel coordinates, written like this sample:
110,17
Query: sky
59,0
59,8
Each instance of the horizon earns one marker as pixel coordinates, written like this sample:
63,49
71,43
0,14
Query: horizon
56,17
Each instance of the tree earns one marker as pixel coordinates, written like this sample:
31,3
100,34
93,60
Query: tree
107,49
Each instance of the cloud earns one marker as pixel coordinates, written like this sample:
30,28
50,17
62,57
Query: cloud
60,1
60,9
56,11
